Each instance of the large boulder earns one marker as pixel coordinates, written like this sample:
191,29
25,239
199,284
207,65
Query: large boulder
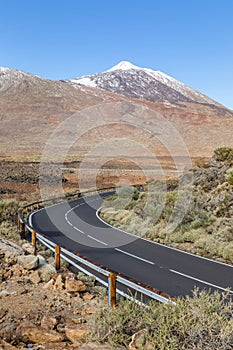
37,334
72,285
75,334
46,271
28,262
10,250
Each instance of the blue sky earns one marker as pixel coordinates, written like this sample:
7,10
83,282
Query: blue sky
191,40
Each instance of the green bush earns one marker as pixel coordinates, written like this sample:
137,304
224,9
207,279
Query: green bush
223,153
229,176
228,252
203,321
9,230
199,214
9,210
8,219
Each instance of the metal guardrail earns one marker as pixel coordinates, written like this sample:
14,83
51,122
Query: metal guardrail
84,264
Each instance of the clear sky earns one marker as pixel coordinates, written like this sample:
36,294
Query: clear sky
191,40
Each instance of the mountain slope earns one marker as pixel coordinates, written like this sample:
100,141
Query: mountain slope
32,107
143,83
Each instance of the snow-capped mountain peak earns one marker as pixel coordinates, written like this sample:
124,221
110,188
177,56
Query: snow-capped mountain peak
4,69
123,65
132,81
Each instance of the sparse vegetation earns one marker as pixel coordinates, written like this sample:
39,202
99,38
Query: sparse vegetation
223,154
8,214
229,176
205,206
203,321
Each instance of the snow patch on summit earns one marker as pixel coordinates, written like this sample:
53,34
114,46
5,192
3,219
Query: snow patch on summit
123,65
132,81
4,69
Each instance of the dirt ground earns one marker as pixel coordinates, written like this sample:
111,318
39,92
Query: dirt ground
20,180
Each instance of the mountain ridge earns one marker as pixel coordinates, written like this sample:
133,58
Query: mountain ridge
32,107
144,83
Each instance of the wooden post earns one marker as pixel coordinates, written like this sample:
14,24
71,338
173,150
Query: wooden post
112,289
34,241
57,257
23,235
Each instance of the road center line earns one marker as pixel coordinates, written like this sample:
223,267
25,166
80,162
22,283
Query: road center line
134,256
70,210
77,229
198,280
97,240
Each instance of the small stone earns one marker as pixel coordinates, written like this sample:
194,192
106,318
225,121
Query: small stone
79,320
76,312
8,274
72,285
46,271
35,277
17,271
49,284
6,346
28,248
59,283
48,322
4,293
38,334
138,341
29,262
88,311
87,296
61,327
75,334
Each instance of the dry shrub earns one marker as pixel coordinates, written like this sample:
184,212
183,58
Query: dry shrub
203,321
8,214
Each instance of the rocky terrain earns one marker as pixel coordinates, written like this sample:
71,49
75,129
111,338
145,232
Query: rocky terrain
41,308
20,180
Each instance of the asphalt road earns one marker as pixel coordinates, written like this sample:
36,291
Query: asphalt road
76,226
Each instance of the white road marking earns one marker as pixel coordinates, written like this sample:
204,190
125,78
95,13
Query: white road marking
70,223
76,228
134,256
160,244
70,210
198,280
97,240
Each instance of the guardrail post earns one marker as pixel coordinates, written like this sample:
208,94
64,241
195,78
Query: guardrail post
112,289
34,241
23,235
57,257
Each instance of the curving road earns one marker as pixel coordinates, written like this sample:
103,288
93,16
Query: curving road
77,226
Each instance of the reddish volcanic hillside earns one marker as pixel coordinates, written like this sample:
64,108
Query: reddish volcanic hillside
32,107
